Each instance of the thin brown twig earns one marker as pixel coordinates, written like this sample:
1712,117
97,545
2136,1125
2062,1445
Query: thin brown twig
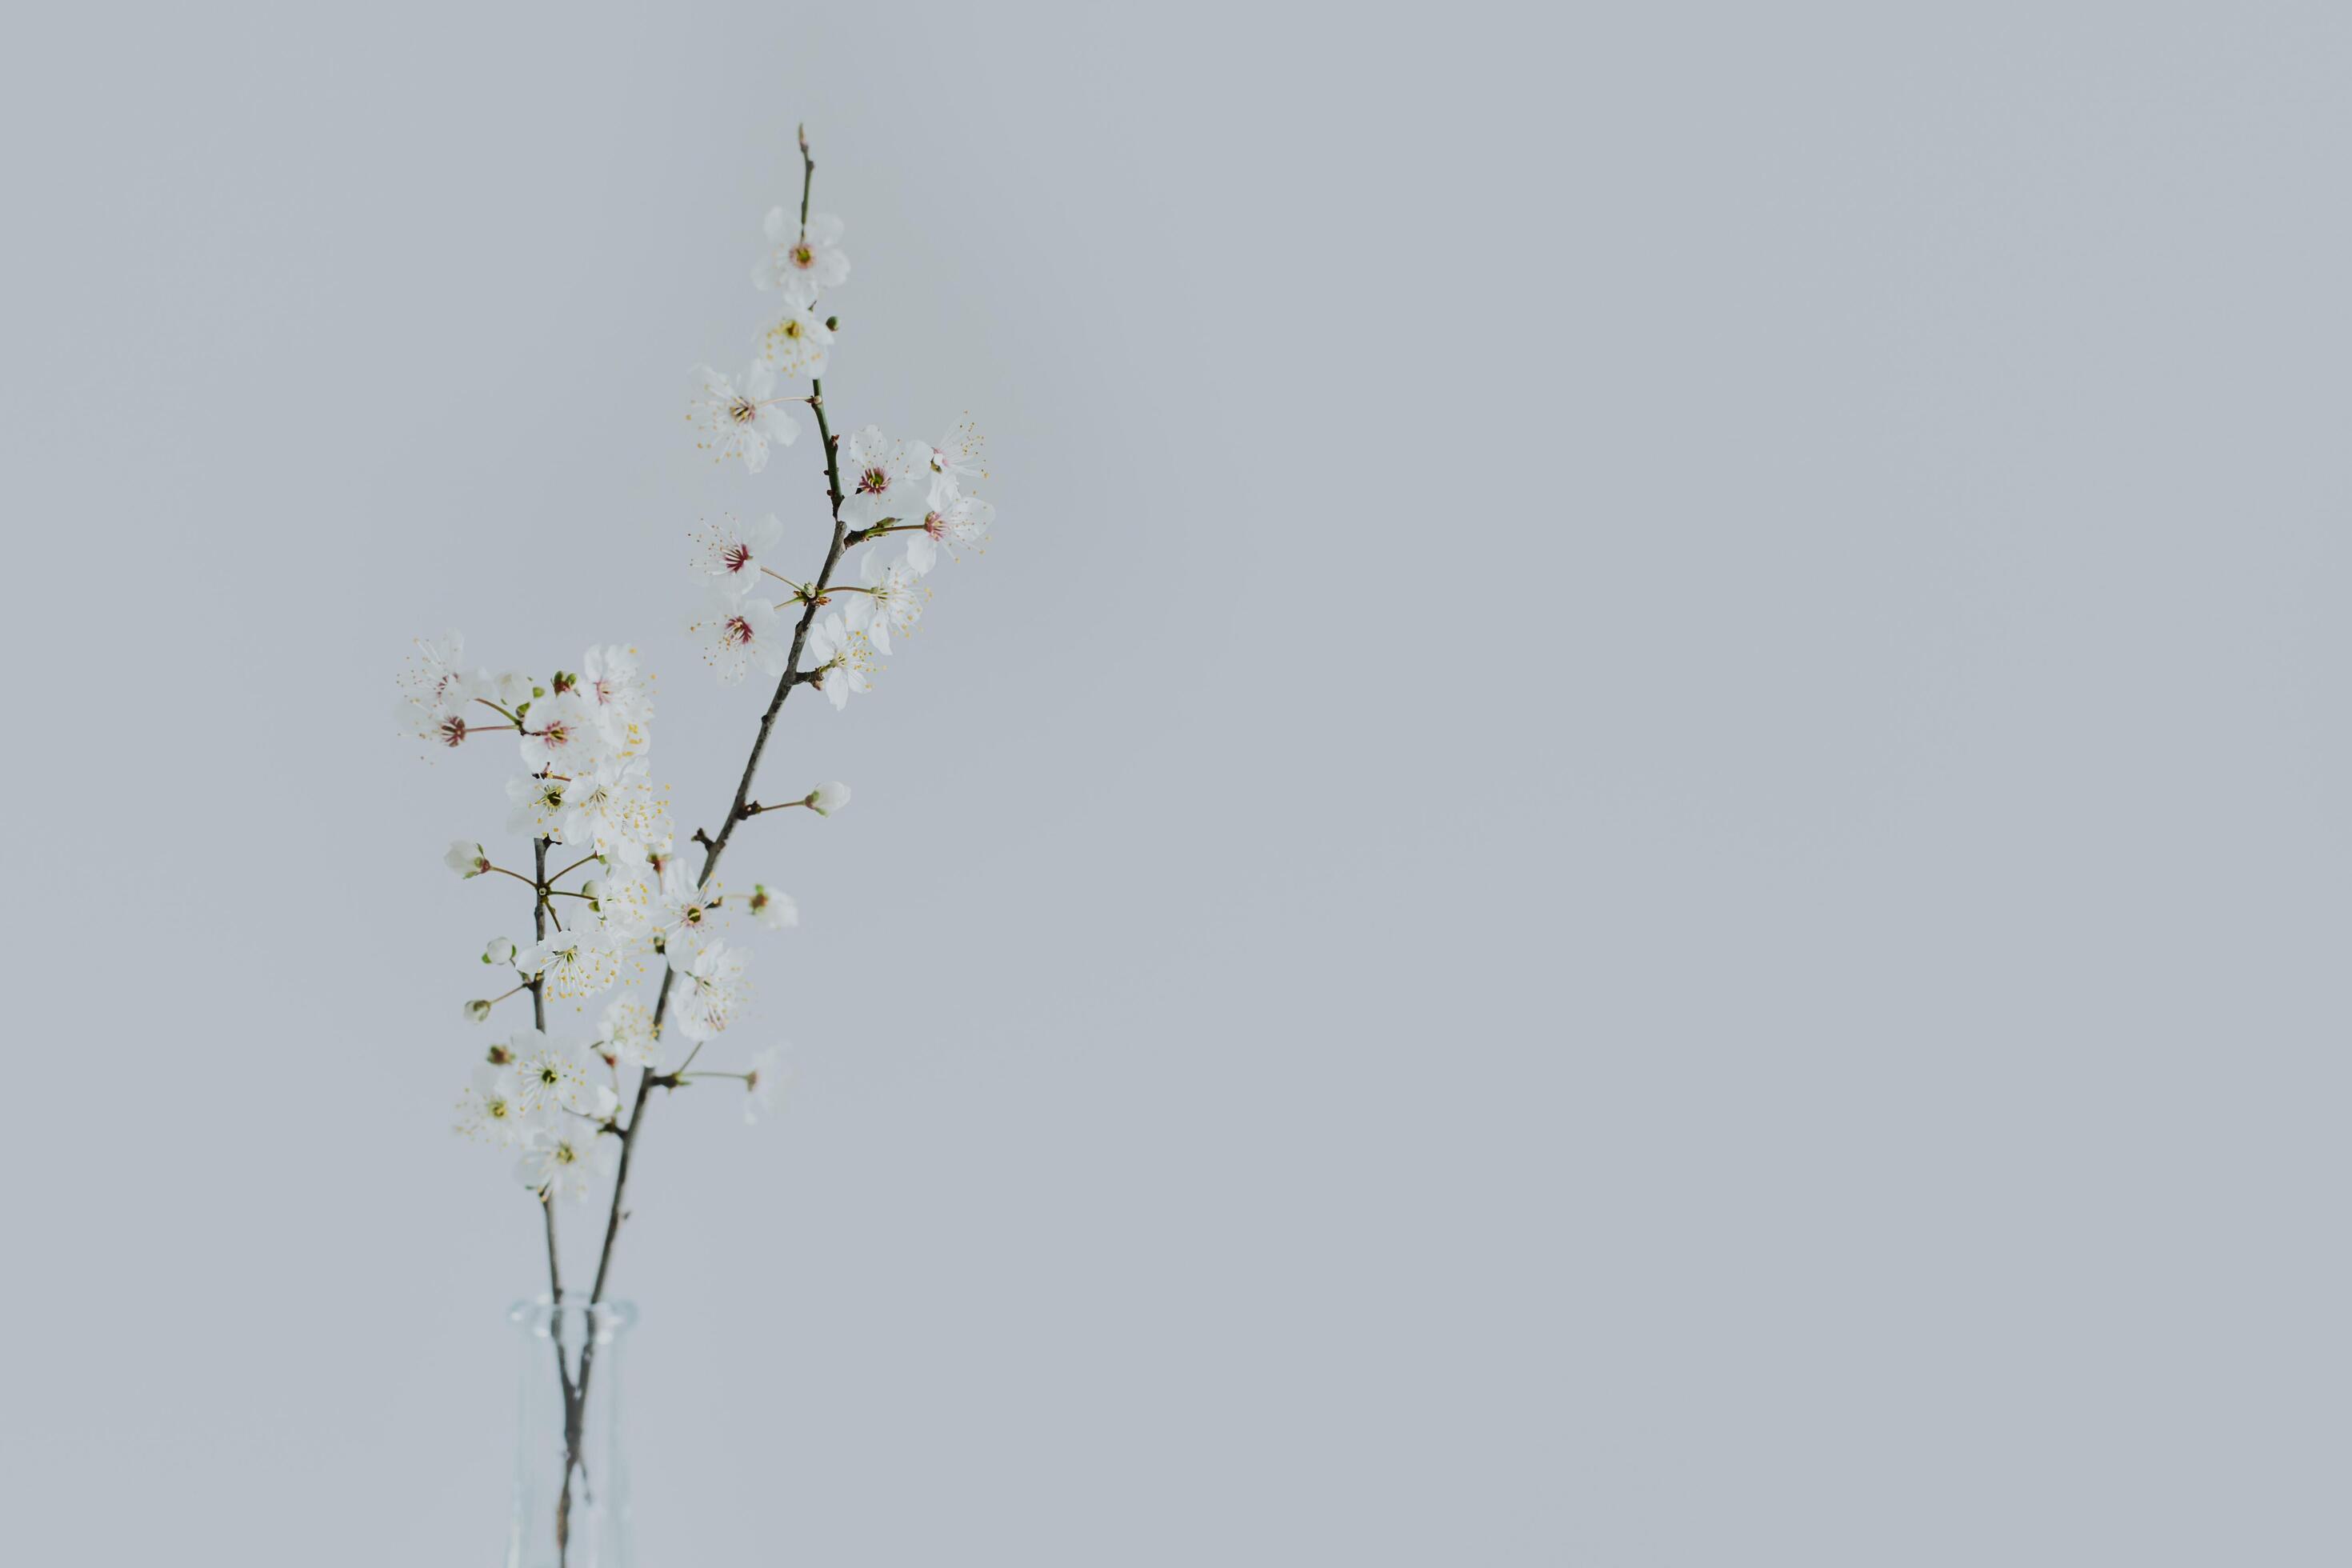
717,846
713,849
573,1392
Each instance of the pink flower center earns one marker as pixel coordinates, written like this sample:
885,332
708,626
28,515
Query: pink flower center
736,557
743,411
872,482
451,732
737,631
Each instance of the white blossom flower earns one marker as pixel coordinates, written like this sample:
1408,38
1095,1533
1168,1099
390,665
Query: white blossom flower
711,989
621,696
763,1085
954,462
440,703
466,858
964,520
438,724
624,901
843,657
827,798
739,635
615,810
564,1158
799,264
796,344
573,963
628,1029
657,862
560,735
729,423
733,552
645,812
493,1107
590,793
893,600
554,1076
885,478
599,808
436,671
774,910
535,806
683,911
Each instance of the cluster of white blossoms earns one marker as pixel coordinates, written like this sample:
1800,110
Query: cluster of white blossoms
613,900
887,492
621,902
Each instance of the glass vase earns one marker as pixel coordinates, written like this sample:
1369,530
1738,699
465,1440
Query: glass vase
572,1479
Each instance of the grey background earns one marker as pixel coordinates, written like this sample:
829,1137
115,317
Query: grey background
1633,857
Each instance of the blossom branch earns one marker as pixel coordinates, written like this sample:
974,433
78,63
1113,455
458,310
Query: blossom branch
887,525
573,1393
714,848
808,177
583,736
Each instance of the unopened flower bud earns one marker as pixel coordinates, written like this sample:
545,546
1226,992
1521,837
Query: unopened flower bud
833,323
827,798
500,1055
466,858
593,890
477,1011
500,951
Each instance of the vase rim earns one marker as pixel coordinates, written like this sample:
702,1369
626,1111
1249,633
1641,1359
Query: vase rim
610,1313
